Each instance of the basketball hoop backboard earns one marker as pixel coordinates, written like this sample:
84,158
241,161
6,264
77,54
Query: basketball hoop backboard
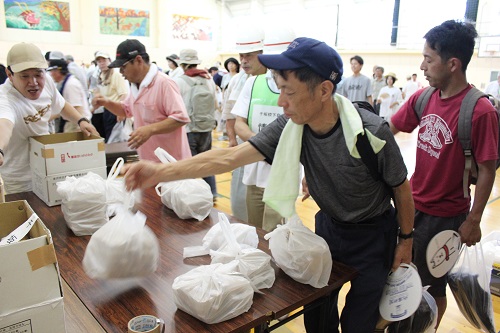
489,47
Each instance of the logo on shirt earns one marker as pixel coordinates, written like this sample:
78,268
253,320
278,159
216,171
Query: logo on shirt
37,116
436,130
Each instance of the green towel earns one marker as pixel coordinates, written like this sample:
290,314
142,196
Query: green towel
283,189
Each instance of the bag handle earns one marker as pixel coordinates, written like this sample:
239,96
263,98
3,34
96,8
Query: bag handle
116,168
225,226
164,156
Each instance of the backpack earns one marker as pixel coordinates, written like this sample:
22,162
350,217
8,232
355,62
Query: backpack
201,106
464,128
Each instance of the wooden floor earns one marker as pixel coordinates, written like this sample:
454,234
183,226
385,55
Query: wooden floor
453,320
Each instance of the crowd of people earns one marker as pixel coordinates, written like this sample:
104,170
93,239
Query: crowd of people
282,90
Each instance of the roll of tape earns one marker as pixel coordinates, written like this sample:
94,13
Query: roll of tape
146,324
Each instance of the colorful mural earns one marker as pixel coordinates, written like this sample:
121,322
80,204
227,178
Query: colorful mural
191,27
37,15
122,21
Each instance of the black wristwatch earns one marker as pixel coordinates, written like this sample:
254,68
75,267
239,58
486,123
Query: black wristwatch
406,236
1,152
83,119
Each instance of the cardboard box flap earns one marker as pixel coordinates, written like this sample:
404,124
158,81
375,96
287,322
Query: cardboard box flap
15,213
43,256
63,138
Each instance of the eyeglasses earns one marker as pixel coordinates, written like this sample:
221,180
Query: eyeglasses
122,67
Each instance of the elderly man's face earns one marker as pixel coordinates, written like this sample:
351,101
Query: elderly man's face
250,62
300,103
29,82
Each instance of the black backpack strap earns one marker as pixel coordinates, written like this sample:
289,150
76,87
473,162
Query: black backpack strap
464,132
367,154
422,101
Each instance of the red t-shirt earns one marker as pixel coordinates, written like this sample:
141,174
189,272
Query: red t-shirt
437,181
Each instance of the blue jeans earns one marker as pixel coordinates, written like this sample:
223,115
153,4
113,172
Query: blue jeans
369,248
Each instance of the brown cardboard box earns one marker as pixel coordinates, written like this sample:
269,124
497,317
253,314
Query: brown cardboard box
30,285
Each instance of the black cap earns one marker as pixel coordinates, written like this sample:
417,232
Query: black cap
126,51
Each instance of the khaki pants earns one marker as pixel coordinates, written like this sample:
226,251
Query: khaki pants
259,214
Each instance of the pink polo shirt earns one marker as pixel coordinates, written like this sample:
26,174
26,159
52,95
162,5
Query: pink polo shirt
158,101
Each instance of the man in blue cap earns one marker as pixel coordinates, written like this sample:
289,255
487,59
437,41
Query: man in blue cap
356,219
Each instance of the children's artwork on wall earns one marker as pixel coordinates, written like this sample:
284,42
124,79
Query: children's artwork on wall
37,15
123,21
191,28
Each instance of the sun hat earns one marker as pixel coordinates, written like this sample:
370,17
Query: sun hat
234,61
307,52
189,57
24,56
173,58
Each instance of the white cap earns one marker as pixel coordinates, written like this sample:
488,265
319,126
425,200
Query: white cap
55,55
101,54
24,56
250,40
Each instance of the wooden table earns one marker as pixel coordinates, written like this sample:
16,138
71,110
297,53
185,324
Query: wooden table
114,302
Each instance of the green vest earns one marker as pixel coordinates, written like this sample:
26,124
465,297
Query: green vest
263,108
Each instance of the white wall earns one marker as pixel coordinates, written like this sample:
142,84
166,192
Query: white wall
364,28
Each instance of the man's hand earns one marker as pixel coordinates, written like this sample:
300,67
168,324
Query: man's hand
138,137
470,232
98,101
402,253
305,189
143,174
88,129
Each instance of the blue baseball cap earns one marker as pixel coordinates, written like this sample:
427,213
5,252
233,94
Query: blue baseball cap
307,52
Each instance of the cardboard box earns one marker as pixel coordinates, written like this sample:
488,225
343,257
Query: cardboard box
66,152
45,187
30,285
495,279
42,318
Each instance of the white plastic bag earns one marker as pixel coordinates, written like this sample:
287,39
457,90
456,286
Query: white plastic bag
422,321
83,203
213,293
188,198
214,239
300,253
124,247
469,281
253,263
116,191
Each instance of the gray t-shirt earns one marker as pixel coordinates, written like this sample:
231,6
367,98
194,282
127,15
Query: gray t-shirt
341,184
357,88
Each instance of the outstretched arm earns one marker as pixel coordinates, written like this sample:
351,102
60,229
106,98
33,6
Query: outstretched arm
146,174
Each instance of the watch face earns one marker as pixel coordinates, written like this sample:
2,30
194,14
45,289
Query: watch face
442,252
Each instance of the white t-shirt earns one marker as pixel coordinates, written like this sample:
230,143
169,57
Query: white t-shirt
74,94
30,118
255,173
389,95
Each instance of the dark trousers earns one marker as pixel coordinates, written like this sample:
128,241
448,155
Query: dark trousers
368,247
198,143
104,123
